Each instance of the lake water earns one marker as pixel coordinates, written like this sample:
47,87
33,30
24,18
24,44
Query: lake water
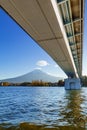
37,108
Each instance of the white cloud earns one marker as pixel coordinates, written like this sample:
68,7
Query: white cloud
56,66
49,73
42,63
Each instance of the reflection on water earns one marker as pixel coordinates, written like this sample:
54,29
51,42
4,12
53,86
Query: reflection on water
43,108
73,111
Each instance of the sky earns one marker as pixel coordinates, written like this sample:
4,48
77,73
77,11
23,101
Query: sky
19,54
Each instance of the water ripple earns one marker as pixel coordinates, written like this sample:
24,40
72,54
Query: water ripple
45,106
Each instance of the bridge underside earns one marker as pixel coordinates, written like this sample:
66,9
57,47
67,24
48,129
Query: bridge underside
46,23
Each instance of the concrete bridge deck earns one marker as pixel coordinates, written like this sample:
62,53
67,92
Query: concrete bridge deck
56,25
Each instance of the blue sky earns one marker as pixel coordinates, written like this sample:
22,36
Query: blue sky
84,69
19,54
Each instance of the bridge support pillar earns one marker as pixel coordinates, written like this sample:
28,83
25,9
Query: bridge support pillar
72,83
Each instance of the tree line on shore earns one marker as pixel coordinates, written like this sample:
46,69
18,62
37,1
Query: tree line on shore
84,81
34,83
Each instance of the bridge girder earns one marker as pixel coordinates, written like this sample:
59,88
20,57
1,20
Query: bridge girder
56,25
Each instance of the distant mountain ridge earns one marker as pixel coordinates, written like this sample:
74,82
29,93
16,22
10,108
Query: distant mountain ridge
34,75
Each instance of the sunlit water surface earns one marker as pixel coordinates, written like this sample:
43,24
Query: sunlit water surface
34,108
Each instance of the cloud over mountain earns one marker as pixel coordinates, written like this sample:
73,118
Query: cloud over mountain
42,63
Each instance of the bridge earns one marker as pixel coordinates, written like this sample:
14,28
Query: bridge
57,26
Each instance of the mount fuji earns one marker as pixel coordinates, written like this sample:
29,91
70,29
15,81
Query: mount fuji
34,75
